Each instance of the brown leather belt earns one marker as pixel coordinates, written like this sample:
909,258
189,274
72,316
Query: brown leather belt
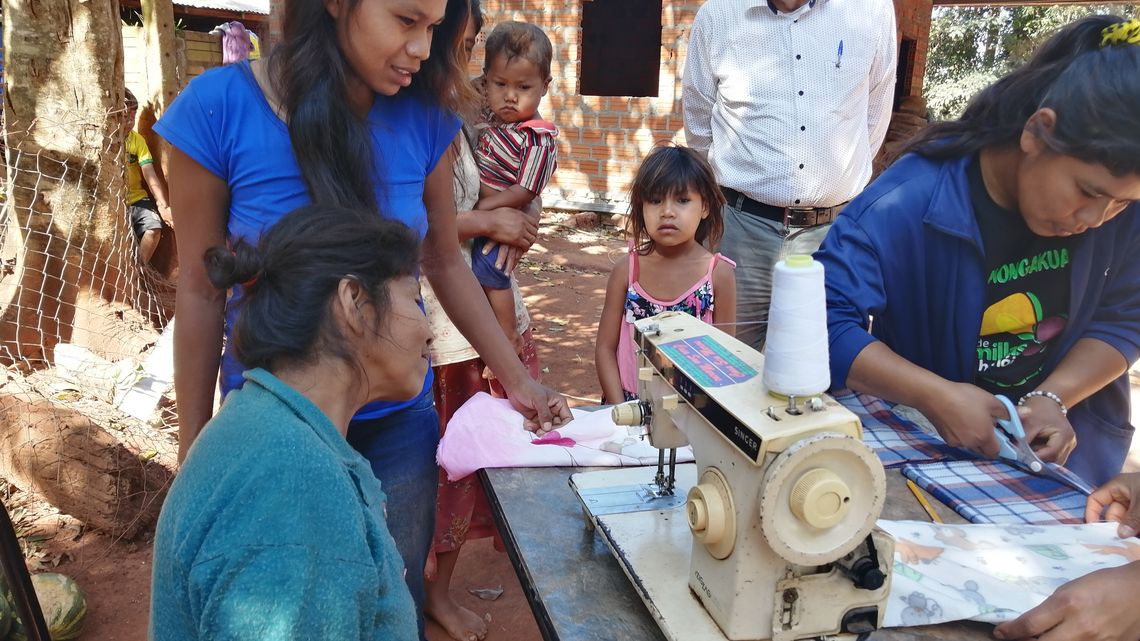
790,216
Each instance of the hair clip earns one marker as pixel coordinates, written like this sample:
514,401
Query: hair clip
252,281
1121,33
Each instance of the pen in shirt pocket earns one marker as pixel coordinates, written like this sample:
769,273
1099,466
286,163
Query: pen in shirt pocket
839,55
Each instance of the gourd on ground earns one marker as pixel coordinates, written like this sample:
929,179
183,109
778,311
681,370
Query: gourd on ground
63,604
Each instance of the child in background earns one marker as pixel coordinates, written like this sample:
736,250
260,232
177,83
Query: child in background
675,213
515,152
144,209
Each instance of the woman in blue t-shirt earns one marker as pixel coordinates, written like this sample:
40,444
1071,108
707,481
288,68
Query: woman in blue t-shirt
354,108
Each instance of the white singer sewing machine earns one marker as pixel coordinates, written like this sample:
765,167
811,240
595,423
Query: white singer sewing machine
777,528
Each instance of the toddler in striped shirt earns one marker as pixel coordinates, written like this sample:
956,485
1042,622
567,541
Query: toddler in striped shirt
515,152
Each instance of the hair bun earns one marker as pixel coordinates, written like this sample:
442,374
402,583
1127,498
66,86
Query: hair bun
1121,34
239,266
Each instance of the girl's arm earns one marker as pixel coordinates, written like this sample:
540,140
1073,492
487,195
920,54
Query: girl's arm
466,305
724,302
204,200
609,331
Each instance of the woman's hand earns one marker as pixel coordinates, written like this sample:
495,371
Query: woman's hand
964,415
1097,607
511,226
1117,501
514,229
542,408
1047,430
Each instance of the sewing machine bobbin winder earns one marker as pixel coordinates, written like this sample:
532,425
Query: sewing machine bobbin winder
778,520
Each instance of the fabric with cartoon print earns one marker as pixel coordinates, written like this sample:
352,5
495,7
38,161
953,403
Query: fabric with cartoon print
1027,295
991,573
488,432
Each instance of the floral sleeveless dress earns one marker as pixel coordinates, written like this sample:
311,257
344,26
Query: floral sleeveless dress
697,301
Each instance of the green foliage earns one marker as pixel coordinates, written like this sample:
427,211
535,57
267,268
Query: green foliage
970,47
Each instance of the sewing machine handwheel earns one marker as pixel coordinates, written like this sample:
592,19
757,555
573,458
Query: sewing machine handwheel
711,513
820,498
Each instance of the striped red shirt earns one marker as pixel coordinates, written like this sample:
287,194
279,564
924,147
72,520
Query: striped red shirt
520,153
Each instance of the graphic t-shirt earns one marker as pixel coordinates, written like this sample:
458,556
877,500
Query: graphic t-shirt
1027,296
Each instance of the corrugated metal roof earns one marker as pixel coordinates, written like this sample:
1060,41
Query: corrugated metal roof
248,6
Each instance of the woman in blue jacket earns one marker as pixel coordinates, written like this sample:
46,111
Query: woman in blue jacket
999,257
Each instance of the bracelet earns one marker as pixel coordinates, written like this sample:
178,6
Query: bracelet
1049,395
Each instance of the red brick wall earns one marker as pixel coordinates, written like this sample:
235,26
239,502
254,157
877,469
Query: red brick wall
914,23
603,138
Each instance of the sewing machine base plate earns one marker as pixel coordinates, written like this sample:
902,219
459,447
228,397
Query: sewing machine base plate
653,547
620,499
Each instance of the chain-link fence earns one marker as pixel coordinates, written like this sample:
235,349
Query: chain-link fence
86,408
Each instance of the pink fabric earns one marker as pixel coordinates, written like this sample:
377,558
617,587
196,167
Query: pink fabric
698,301
488,432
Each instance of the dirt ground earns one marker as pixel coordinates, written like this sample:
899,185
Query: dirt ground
563,279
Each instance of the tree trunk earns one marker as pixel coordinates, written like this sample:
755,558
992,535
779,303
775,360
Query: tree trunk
66,241
161,54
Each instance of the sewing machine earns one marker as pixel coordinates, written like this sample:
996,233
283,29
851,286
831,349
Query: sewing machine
781,503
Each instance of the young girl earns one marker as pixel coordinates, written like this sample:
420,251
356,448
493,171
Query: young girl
1000,258
274,527
354,108
674,213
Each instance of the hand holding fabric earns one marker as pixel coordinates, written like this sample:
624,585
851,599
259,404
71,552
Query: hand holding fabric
543,409
1097,607
1117,501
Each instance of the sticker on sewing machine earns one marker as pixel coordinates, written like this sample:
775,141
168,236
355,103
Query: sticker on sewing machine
707,362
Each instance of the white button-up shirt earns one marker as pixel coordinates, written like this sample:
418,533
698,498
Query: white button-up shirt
790,108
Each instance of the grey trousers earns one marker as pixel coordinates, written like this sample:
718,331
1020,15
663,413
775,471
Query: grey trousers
756,244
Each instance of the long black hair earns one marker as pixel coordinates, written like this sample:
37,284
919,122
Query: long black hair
667,171
296,268
310,76
1094,88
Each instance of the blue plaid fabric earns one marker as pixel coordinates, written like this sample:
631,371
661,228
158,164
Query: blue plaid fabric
895,439
993,492
982,491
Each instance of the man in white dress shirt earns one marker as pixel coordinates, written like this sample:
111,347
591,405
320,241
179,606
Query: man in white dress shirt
790,100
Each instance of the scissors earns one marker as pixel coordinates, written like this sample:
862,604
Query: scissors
1015,448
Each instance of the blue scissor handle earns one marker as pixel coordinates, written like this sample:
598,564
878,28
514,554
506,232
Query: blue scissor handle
1009,427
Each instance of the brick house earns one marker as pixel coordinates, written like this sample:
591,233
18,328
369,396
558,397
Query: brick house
616,87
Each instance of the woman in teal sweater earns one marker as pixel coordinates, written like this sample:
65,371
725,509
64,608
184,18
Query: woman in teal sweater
275,527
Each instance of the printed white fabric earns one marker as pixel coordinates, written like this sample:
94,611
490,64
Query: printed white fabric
991,573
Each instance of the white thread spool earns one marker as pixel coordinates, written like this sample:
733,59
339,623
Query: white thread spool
796,357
